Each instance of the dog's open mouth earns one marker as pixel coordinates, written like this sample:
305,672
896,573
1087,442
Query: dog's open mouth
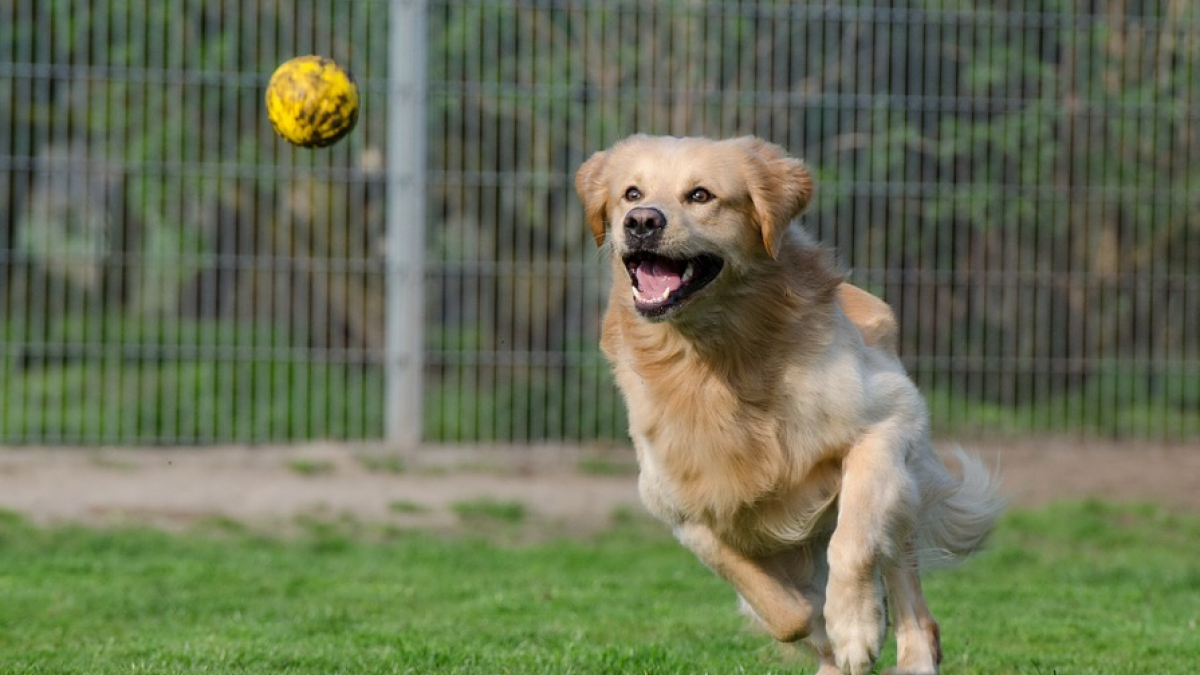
662,284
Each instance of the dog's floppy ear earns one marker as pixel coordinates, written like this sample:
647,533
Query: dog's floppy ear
592,190
780,187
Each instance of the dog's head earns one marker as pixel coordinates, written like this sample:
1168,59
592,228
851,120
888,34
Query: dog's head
680,212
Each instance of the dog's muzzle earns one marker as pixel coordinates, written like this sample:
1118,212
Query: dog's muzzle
661,283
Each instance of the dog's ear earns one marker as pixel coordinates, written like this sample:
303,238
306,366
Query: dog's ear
780,187
592,189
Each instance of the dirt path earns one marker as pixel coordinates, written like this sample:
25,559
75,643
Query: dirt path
571,487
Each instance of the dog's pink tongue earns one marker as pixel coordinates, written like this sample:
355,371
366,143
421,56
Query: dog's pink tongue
656,276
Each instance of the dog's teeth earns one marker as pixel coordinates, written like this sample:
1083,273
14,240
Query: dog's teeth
642,297
688,273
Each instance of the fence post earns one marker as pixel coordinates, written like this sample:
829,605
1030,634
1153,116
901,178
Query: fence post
405,248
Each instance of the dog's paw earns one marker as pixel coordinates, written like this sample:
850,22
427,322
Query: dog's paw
856,658
828,669
854,623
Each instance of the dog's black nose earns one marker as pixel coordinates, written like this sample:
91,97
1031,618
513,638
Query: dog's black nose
644,225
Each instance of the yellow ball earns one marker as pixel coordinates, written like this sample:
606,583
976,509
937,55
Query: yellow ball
312,101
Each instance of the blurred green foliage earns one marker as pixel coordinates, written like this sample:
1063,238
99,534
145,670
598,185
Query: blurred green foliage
180,382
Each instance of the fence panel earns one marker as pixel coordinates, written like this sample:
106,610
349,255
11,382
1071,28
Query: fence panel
170,272
1017,179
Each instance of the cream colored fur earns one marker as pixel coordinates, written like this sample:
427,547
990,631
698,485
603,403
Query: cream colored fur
775,428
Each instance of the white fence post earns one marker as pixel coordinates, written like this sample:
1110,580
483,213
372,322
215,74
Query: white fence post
406,153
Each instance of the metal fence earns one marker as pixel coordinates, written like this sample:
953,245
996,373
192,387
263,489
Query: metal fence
1019,179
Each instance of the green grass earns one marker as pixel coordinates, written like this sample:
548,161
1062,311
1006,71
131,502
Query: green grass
117,380
1119,401
406,506
603,466
490,510
1089,589
311,467
388,464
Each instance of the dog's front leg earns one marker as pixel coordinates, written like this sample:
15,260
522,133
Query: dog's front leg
874,510
783,609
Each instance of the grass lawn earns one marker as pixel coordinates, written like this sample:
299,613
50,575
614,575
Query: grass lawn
1084,588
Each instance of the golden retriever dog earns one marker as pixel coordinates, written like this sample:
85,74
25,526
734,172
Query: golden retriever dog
776,430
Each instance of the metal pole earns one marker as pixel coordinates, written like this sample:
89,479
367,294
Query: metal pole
406,148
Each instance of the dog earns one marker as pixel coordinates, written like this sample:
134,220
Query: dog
776,430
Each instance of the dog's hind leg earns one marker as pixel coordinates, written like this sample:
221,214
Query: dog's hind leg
918,642
820,644
805,569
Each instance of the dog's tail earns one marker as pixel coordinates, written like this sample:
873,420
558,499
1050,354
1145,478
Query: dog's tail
959,512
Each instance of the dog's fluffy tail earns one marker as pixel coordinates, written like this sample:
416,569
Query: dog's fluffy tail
958,512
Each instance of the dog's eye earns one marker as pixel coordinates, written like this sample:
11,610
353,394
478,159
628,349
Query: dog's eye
632,194
700,196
